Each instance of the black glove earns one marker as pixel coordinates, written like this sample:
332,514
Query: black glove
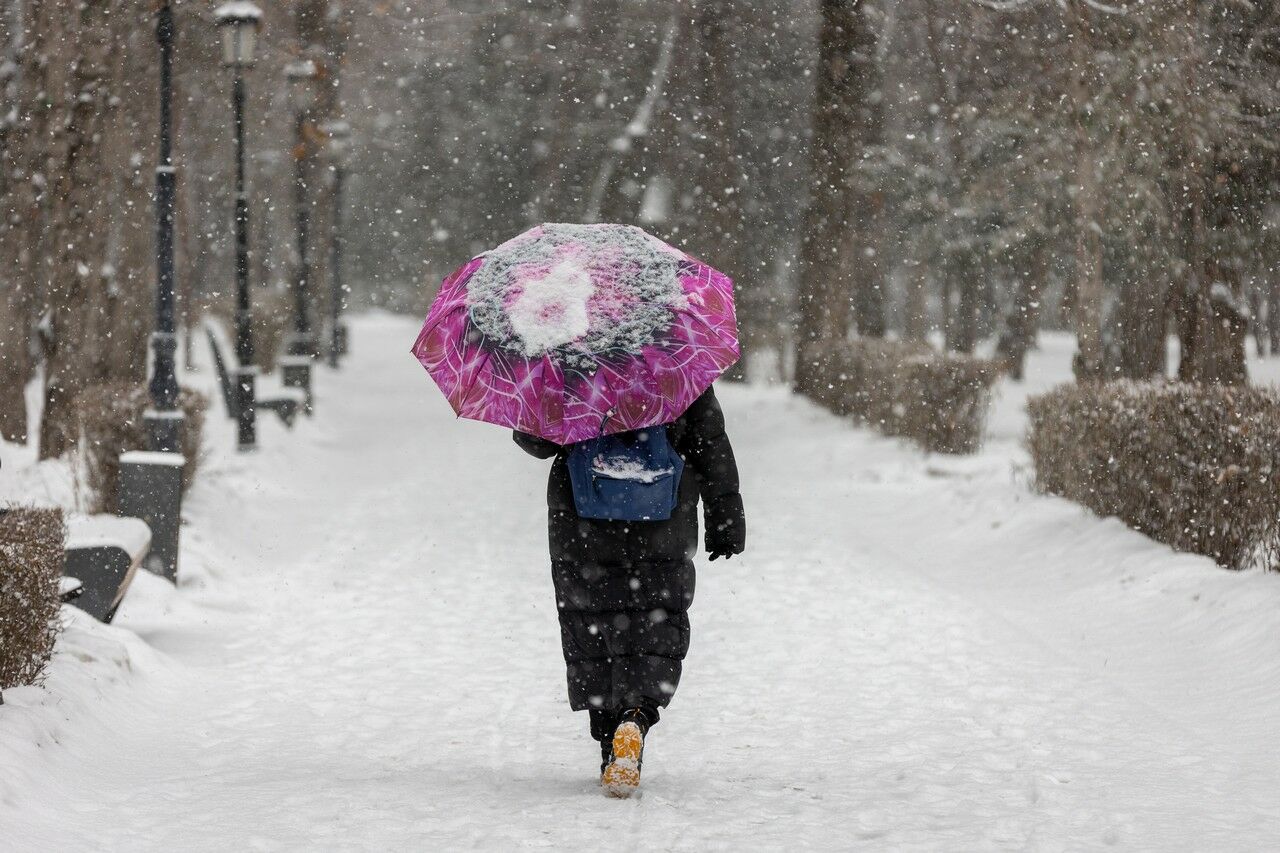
726,526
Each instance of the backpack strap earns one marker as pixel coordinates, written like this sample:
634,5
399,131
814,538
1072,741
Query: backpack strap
605,420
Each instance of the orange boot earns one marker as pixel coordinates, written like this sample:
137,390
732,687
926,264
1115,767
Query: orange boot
621,777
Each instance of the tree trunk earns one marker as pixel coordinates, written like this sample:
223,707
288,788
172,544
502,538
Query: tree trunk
323,28
1185,299
1212,325
1140,321
76,211
720,240
127,298
955,286
1257,322
915,321
830,231
962,331
1211,322
867,256
18,215
1088,242
77,241
1023,321
1273,311
15,362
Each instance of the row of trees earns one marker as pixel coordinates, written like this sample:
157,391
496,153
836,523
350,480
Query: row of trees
973,169
687,118
77,156
1109,167
907,167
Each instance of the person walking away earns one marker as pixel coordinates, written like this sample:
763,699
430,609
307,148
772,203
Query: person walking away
623,587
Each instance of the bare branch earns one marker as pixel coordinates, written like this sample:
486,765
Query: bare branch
639,124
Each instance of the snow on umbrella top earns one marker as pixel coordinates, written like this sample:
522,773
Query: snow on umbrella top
568,328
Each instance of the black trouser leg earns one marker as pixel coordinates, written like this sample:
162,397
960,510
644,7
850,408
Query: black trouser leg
602,724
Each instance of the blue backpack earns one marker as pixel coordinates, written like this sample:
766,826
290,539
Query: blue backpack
629,476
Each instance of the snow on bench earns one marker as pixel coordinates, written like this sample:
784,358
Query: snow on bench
103,555
69,589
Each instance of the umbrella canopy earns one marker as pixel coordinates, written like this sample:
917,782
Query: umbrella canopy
566,330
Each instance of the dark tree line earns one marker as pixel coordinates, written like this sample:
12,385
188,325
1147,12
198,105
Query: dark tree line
1107,168
966,171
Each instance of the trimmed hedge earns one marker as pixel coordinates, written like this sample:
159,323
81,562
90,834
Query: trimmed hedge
1194,466
938,400
31,559
111,423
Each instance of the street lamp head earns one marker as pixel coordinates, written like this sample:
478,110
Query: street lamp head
239,21
303,77
338,136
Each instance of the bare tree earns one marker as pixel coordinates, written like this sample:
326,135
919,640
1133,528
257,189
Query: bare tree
830,236
1087,292
77,230
17,218
638,126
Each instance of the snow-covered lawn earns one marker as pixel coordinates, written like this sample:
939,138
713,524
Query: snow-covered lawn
914,653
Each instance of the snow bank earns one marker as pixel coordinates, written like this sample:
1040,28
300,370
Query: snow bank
90,693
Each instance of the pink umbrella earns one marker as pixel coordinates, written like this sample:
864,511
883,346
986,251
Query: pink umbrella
566,329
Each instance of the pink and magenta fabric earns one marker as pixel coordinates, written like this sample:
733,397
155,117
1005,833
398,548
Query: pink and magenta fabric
566,330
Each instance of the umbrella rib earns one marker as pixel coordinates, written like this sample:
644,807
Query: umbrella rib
714,331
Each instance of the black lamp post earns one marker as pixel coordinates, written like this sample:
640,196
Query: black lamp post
338,134
303,77
164,421
240,22
151,482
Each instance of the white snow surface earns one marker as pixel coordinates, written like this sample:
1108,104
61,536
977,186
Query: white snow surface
552,311
915,653
151,457
97,531
578,290
625,468
238,10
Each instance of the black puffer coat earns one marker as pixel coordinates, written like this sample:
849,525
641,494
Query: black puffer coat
624,587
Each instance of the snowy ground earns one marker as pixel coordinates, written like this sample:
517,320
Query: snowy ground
916,653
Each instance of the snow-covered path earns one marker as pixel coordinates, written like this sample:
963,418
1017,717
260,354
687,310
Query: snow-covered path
913,654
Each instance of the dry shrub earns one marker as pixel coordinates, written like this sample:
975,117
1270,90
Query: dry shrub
857,377
31,558
942,401
111,423
938,400
1194,466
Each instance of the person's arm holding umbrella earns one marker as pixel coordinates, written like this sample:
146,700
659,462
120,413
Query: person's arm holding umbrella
709,452
538,448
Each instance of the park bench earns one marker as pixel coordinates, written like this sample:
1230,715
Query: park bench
103,555
285,402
